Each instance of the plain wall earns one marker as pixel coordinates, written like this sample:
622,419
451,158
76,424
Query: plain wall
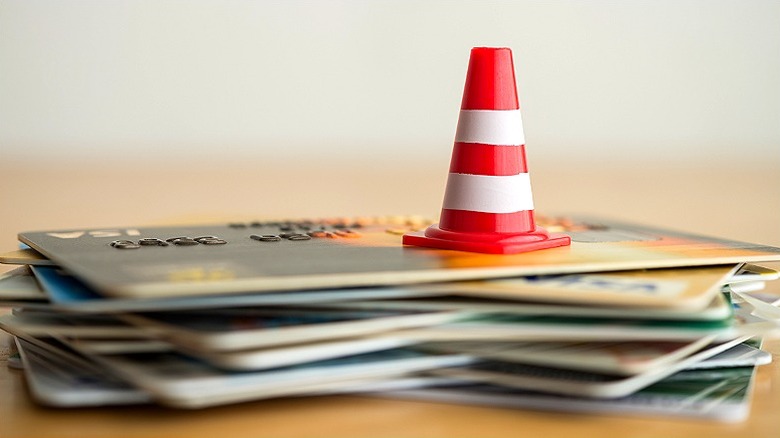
669,81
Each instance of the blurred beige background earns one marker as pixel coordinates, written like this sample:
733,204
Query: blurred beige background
125,112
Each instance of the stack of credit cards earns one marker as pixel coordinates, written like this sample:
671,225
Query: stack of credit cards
628,319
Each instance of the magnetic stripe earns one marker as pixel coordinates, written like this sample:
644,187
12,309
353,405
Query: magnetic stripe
494,127
489,194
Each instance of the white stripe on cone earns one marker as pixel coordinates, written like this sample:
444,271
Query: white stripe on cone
488,194
493,127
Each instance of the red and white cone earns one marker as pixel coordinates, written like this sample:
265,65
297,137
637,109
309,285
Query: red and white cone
488,206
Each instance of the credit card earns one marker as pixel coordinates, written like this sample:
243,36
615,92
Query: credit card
179,381
311,254
60,384
67,294
689,394
576,383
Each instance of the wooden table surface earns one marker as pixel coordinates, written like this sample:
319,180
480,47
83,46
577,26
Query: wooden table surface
742,203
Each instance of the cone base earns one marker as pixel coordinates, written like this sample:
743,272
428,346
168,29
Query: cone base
489,243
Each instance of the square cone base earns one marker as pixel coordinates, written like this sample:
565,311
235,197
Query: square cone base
488,243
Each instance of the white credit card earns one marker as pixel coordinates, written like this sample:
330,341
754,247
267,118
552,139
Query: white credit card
575,383
61,384
175,380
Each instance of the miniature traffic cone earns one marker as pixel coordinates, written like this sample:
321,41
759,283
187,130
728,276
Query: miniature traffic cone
488,206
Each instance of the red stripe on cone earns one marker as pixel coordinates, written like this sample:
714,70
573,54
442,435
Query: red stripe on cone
485,159
490,81
479,222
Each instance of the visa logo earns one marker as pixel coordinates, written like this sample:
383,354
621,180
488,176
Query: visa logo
96,233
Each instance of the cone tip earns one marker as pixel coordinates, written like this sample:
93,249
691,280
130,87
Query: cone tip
490,81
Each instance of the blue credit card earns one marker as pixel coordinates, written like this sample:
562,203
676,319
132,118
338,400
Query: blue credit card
69,294
62,288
